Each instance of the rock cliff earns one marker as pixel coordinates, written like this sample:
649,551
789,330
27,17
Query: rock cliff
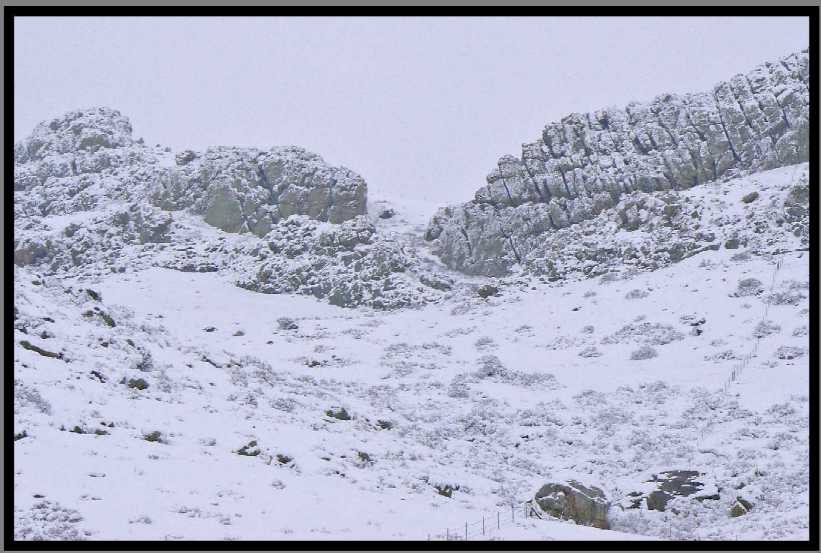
586,163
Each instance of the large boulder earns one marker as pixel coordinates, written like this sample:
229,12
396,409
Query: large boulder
585,163
571,500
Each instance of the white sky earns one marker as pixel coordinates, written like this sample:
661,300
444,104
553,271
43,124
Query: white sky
421,107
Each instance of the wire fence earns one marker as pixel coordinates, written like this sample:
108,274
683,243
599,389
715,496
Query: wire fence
738,369
489,525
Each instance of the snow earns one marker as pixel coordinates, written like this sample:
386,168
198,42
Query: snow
222,389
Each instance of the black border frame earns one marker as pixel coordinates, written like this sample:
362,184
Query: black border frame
10,12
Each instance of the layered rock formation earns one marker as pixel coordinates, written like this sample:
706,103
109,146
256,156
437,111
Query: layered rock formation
586,163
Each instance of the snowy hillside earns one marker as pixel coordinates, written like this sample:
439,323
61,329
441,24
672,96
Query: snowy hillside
241,344
175,405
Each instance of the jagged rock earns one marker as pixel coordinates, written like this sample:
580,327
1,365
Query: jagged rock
585,163
574,501
250,190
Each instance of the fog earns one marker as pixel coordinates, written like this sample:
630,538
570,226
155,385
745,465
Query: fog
421,107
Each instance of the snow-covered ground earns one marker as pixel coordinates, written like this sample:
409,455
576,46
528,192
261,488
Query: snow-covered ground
491,398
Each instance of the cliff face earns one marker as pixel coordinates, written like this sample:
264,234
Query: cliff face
585,163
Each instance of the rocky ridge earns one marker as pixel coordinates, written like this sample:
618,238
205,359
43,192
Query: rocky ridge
90,199
588,163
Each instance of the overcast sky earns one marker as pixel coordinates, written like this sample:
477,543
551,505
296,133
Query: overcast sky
421,107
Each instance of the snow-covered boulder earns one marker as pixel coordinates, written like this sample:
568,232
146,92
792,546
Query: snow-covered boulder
572,500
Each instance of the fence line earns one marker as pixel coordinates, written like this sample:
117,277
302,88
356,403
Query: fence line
488,525
745,361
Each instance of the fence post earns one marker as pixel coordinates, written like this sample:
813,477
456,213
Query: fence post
483,525
512,513
498,521
466,531
447,534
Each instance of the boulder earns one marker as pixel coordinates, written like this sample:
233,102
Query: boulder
574,501
740,507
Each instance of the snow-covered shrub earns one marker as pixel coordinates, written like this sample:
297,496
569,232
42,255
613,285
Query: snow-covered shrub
789,352
459,387
636,294
749,287
791,293
48,521
644,352
590,351
766,328
485,342
800,331
25,395
655,334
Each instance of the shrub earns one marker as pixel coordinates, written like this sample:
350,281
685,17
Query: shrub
384,425
154,436
487,290
789,352
45,353
749,287
287,323
644,352
138,383
249,450
636,294
590,351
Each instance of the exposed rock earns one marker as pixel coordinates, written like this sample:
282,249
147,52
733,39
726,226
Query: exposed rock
585,163
740,507
750,198
574,501
671,484
249,190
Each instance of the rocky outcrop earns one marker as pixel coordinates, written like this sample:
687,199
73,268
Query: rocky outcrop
669,485
250,190
586,163
574,501
90,199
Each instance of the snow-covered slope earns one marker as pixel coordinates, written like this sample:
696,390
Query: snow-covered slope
153,403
